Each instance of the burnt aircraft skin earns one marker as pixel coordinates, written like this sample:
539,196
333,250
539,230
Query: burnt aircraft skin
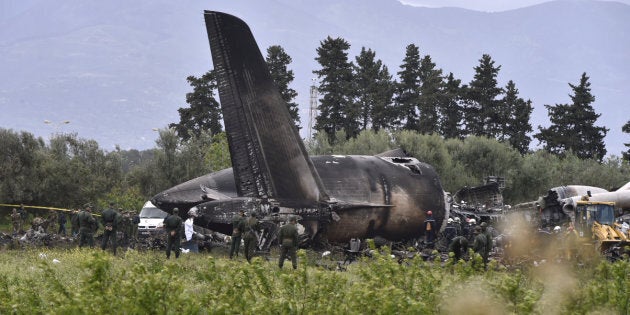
404,187
341,197
621,198
552,204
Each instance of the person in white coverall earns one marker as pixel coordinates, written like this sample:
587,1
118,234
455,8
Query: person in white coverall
189,232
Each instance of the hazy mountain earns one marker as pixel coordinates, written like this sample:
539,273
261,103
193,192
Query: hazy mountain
116,69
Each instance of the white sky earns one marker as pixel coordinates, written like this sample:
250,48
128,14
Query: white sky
483,5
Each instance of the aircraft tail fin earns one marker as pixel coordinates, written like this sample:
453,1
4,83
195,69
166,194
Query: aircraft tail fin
268,157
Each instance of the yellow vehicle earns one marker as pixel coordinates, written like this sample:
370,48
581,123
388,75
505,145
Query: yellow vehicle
594,223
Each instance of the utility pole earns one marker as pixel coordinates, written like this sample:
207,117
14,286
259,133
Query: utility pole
312,114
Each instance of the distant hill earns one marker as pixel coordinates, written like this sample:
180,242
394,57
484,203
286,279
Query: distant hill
116,69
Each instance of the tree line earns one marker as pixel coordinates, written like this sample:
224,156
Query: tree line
362,95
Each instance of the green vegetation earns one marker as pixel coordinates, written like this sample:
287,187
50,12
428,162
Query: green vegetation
91,281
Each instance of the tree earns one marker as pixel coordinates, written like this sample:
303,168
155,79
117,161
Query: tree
516,127
573,126
21,158
374,90
626,129
204,112
336,110
277,62
407,97
450,109
483,115
430,94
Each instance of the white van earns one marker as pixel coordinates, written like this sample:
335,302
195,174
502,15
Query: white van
151,221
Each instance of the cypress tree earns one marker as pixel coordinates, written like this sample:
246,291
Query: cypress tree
277,62
374,90
336,109
482,112
407,96
430,93
573,125
450,109
516,128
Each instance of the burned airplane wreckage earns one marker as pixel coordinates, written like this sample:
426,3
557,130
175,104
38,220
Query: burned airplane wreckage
484,202
336,197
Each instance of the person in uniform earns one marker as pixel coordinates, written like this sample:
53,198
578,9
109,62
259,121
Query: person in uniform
61,220
23,213
74,220
173,226
237,225
450,231
249,236
486,231
135,219
111,219
480,243
125,226
16,220
87,227
288,238
459,247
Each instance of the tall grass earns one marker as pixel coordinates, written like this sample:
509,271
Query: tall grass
81,281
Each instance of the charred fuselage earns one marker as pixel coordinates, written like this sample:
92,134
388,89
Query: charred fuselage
371,196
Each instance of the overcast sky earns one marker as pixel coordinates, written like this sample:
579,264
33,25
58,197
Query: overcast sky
482,5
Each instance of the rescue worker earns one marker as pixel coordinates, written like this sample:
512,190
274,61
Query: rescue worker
468,230
135,220
429,229
458,225
23,213
74,220
459,247
125,226
237,225
249,236
16,220
87,227
111,219
480,243
61,220
173,226
189,231
288,238
486,231
450,231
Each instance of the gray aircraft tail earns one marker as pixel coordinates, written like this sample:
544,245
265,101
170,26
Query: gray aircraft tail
268,157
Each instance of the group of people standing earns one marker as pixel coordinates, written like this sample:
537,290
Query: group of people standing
84,225
459,238
244,227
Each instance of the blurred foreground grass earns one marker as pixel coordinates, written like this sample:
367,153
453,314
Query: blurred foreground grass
82,281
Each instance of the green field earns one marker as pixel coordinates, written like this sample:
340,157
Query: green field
82,281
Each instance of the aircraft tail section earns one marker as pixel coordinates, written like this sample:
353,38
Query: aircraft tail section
268,157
